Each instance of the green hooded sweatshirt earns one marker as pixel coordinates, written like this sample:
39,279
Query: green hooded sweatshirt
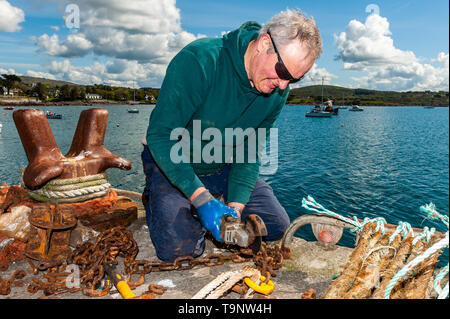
207,81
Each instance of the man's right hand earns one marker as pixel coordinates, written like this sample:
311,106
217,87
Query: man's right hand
210,211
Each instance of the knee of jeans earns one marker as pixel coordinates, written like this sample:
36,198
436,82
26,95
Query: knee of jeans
173,232
278,226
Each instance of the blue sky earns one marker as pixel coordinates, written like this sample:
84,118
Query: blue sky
399,45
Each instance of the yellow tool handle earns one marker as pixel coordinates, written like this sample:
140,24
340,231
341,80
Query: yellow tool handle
124,289
118,281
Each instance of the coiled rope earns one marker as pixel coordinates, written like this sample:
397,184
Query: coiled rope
405,230
72,190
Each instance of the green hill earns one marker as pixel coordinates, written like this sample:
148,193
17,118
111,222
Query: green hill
30,79
310,95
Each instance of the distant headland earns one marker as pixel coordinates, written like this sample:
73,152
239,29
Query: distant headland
32,91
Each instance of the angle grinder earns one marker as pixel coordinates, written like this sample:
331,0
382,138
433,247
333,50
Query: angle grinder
245,233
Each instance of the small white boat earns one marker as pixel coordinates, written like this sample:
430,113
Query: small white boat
53,116
133,110
1,127
356,108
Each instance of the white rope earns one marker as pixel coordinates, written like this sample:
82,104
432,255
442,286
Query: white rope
430,251
73,193
70,190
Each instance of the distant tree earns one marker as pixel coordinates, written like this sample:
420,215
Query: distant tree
140,95
82,94
121,94
318,99
9,81
65,92
75,93
41,91
108,95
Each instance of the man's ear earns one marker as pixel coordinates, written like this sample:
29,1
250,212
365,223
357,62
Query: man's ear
264,43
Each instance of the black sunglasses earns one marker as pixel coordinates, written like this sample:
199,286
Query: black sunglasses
280,68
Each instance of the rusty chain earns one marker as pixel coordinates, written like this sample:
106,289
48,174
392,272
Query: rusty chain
5,285
56,281
119,241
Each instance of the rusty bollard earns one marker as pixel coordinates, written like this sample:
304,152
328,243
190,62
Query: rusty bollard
50,229
84,165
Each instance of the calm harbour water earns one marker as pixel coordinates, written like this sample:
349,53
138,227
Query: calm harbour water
382,162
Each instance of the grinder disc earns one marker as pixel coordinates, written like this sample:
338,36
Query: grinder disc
255,227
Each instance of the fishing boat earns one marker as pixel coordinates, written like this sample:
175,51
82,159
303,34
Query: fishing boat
356,108
133,110
53,116
9,108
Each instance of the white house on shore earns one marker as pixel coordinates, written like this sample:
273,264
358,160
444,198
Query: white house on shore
150,97
12,92
91,96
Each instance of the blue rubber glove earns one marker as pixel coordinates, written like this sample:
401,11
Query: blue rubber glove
210,211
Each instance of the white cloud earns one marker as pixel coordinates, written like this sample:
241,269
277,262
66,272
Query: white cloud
10,17
60,66
137,16
148,31
118,72
363,46
140,37
442,58
370,48
8,71
413,77
314,77
73,45
37,74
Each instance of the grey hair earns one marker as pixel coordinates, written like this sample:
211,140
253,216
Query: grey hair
291,25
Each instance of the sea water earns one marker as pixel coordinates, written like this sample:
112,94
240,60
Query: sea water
382,162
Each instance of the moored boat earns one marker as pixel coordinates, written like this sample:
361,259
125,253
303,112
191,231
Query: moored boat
133,110
324,109
9,108
318,111
329,108
356,108
53,116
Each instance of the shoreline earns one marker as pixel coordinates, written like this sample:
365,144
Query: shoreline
4,103
22,103
362,105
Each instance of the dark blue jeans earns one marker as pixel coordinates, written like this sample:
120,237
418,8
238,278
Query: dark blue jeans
176,232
